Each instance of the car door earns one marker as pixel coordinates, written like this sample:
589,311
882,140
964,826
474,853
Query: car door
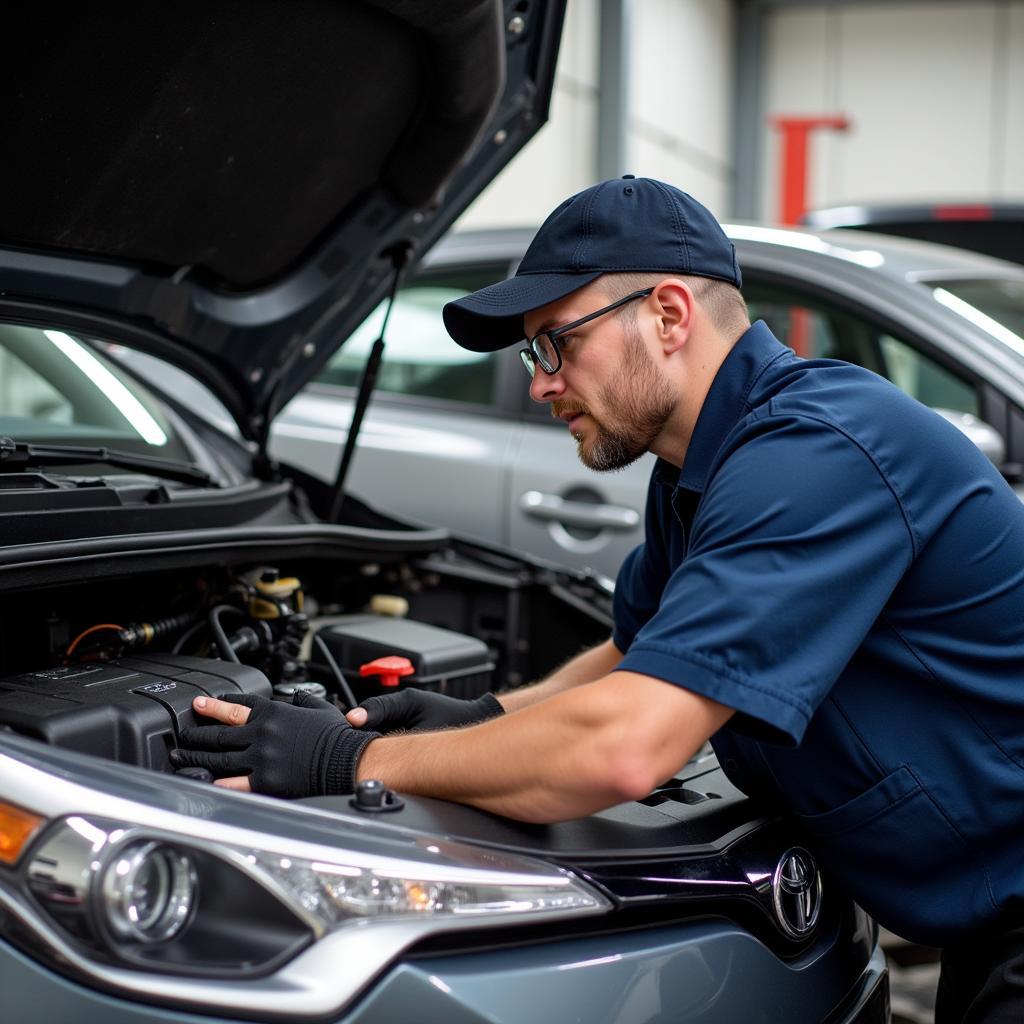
436,440
565,512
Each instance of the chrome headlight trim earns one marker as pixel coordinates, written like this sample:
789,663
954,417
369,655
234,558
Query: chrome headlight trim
133,913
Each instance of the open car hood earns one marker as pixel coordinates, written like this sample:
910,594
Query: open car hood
229,185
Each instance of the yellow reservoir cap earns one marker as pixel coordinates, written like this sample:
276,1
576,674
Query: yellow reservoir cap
17,827
389,604
284,587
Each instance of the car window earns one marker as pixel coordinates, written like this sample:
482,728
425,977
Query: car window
168,379
58,388
925,379
420,359
817,330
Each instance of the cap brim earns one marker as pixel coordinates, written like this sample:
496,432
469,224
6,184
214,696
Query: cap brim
492,318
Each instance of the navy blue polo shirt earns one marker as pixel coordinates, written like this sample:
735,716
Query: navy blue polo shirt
844,568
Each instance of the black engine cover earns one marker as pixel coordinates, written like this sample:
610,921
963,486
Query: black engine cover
127,710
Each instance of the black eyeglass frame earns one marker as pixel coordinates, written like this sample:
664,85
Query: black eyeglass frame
532,357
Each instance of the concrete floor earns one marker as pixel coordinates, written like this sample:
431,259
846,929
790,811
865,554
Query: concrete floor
913,975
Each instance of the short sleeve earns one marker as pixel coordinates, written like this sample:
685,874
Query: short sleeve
797,544
645,570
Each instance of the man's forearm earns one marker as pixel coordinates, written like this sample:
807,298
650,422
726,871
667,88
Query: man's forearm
593,663
582,750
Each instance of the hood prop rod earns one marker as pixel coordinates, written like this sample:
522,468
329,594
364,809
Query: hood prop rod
399,254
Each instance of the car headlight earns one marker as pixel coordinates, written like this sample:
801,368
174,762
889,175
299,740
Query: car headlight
194,919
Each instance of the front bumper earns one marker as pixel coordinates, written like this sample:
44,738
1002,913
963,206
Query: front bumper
699,973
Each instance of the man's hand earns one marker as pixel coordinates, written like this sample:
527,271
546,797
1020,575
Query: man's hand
414,709
301,749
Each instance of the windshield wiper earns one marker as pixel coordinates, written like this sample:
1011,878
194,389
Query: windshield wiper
16,456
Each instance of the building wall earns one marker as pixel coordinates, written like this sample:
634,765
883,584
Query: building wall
934,93
678,127
561,157
681,99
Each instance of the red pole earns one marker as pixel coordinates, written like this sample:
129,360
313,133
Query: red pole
793,177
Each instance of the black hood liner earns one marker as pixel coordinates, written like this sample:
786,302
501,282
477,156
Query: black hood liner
229,136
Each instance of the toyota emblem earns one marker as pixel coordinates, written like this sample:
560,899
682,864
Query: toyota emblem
796,893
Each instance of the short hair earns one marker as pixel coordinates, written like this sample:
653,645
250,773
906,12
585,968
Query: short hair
723,302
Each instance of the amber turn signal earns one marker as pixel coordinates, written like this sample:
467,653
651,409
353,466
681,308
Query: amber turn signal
17,827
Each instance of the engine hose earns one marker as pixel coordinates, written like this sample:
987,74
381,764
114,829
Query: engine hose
223,644
339,677
188,635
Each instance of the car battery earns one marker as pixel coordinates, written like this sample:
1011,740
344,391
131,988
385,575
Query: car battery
438,659
129,710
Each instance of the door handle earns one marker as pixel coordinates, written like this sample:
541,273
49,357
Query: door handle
551,507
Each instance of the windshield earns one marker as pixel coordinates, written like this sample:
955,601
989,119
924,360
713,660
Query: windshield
996,306
420,358
55,388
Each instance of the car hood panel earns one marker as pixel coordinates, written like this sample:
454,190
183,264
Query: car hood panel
233,179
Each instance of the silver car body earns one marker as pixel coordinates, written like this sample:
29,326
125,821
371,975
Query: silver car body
504,471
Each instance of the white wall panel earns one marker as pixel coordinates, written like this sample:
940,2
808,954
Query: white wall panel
682,90
653,161
559,160
1010,169
799,80
934,91
917,81
577,56
679,120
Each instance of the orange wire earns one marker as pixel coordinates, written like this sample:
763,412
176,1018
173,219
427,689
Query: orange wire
92,629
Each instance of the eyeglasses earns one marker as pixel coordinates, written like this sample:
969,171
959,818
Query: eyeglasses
545,349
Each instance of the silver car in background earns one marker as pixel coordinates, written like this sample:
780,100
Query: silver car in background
453,438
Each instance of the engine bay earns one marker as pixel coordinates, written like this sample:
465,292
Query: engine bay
110,667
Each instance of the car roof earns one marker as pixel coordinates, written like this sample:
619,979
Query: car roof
896,258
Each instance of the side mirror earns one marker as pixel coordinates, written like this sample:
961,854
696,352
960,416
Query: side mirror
987,438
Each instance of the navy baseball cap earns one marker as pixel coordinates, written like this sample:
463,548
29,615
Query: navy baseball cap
621,225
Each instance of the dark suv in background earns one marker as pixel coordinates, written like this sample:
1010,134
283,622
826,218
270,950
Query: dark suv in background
992,228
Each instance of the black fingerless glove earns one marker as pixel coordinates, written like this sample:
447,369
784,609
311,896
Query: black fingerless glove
420,709
306,748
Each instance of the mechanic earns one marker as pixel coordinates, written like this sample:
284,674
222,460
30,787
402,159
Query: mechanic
831,589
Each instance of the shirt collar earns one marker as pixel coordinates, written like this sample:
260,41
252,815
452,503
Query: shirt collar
724,406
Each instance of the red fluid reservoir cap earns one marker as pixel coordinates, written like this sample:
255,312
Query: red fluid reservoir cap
390,669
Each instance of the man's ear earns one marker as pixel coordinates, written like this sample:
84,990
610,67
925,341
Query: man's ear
674,306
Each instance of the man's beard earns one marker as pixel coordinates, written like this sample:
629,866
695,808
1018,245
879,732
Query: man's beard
641,403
